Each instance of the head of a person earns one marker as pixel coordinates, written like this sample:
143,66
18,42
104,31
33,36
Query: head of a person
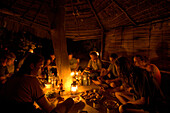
140,61
52,57
124,66
93,55
70,56
48,61
113,57
32,65
10,58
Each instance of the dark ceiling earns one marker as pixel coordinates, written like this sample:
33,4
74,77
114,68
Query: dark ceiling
84,19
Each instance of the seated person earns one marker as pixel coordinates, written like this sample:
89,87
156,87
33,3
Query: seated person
94,65
53,64
46,68
10,63
108,76
3,69
23,89
143,62
74,63
134,96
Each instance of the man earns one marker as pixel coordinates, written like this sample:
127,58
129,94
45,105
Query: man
23,89
108,76
10,63
53,64
94,65
74,63
143,63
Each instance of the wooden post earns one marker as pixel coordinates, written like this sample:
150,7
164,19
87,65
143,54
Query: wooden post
56,15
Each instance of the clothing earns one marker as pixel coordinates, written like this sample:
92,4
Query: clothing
141,81
73,63
95,65
21,89
11,69
155,72
24,88
54,70
112,68
143,86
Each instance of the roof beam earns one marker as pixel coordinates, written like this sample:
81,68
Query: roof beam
7,12
28,8
123,10
102,28
38,10
95,14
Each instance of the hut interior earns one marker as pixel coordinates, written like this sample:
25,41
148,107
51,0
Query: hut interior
124,27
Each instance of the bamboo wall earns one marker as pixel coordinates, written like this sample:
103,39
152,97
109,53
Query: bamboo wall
151,40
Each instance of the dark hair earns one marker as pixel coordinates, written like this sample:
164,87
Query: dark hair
93,53
10,56
114,55
142,58
125,66
31,58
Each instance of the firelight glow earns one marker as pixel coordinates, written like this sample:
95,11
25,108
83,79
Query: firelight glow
77,73
74,88
72,74
97,53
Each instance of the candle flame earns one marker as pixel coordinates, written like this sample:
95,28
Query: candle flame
72,74
77,73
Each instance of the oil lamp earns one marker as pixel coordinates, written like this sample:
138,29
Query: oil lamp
74,88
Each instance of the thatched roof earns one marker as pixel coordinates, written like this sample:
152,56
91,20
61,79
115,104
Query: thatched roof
84,19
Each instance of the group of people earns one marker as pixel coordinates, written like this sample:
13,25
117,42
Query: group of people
135,82
22,88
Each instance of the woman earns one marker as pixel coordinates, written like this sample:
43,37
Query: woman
136,81
23,89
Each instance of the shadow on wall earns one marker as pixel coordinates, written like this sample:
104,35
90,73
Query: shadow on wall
114,48
163,60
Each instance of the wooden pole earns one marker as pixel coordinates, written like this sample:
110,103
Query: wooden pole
56,19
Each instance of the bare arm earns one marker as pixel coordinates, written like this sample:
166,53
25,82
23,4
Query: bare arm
45,104
139,101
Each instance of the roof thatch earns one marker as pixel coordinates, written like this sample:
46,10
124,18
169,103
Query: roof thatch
84,19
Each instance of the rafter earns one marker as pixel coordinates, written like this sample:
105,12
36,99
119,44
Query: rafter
102,28
95,14
38,10
7,12
123,10
28,8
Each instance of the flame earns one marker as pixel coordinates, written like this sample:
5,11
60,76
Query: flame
74,88
97,53
77,73
72,74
